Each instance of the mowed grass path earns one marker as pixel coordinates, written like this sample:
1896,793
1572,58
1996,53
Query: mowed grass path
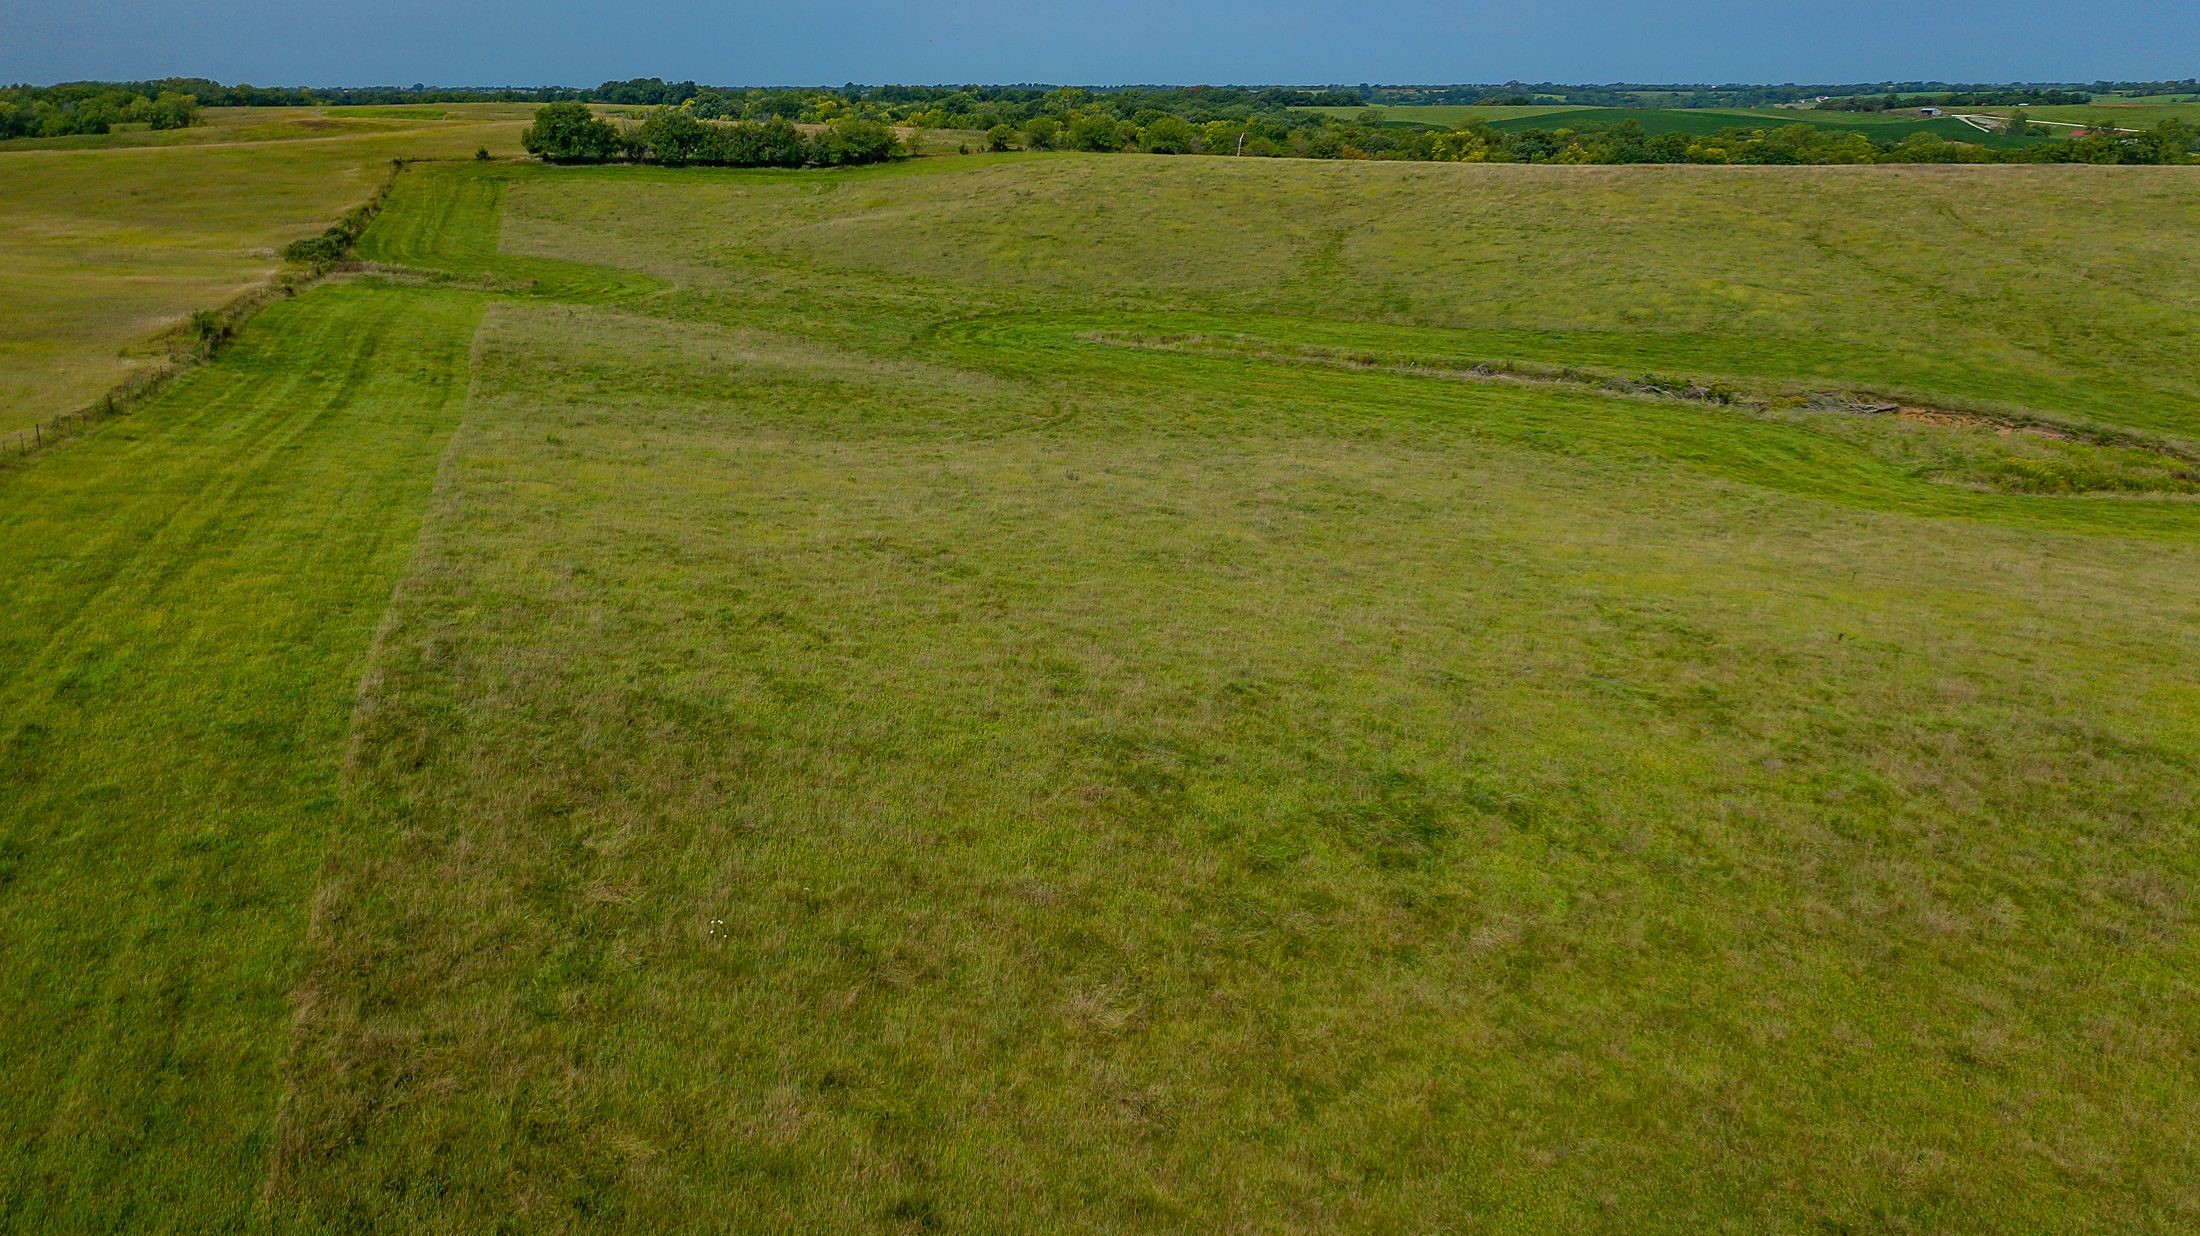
851,750
191,592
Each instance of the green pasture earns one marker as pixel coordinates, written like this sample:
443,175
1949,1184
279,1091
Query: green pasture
1046,692
2102,113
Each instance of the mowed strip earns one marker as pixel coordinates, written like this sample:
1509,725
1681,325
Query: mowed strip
191,594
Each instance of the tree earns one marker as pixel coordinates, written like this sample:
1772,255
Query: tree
2171,141
771,143
674,137
1041,133
711,104
1064,99
1001,137
1094,132
1220,137
1168,135
171,111
570,133
1668,148
770,104
2016,126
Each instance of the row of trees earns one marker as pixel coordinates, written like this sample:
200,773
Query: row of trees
676,137
1621,142
27,111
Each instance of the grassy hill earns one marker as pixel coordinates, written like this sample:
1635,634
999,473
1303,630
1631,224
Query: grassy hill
996,692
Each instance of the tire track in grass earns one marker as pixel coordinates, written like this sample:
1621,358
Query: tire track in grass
230,441
197,591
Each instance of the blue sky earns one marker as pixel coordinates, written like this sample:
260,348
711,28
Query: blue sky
503,42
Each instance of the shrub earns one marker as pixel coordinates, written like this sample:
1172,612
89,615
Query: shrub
1041,133
209,330
327,249
849,141
1001,137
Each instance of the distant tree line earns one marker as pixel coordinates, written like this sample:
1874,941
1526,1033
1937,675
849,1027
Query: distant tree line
1623,141
983,107
1969,98
854,123
86,107
695,132
1698,95
970,107
568,132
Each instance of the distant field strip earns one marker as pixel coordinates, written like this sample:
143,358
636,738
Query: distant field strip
113,242
1693,121
191,593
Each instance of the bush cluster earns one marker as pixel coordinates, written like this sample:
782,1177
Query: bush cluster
334,245
568,132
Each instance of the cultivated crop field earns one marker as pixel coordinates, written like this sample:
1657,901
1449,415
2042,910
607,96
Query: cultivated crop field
1047,691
